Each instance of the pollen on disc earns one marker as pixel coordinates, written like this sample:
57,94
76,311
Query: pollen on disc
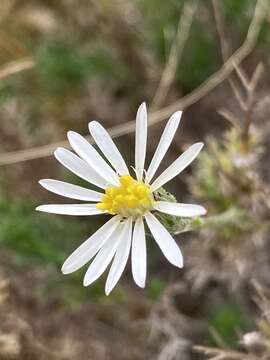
131,198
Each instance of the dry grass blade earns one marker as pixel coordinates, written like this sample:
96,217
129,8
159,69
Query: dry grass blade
256,77
251,98
15,67
245,95
157,116
229,117
3,291
175,55
220,354
225,49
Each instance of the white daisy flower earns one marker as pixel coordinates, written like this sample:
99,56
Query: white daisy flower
130,201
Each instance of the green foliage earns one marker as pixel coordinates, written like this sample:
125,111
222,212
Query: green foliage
155,288
76,294
226,320
7,90
161,19
44,239
207,183
200,58
223,182
239,13
220,176
62,65
38,237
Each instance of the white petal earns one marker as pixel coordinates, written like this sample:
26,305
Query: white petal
120,259
178,209
104,257
71,191
71,209
177,166
89,248
87,152
164,240
140,140
107,146
138,253
79,167
163,146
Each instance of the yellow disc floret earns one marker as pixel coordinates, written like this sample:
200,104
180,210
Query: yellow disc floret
130,198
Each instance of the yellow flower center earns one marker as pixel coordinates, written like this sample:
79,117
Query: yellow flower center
131,198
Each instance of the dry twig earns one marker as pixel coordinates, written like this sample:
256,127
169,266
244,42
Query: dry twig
175,55
249,85
225,49
220,354
15,67
251,98
230,117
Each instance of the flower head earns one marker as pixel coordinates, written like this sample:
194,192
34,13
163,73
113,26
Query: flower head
129,200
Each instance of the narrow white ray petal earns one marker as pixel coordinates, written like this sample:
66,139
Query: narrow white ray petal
164,240
177,166
79,167
71,209
107,146
138,253
71,191
140,140
163,145
104,257
179,209
120,258
87,152
89,248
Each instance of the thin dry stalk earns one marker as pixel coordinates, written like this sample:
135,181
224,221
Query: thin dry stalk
212,82
251,98
220,354
175,54
230,117
242,75
247,106
246,102
225,49
15,67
